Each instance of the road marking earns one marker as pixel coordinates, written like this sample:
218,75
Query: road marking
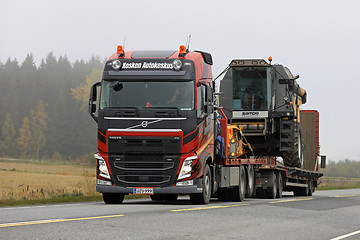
347,196
204,208
41,206
346,235
293,200
55,221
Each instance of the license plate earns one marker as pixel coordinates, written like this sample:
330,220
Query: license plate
144,191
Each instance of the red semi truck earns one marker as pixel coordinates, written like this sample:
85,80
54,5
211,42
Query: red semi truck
160,133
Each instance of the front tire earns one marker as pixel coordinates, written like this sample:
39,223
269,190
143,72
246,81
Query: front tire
204,197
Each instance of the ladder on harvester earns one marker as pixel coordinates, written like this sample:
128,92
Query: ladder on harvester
288,134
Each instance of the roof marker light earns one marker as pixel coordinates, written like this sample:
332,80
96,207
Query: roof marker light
270,59
182,51
120,51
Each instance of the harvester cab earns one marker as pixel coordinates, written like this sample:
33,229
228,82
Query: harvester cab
264,100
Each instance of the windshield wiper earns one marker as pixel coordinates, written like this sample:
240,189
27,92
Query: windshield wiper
176,108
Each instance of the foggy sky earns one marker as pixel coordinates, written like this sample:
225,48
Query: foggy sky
319,40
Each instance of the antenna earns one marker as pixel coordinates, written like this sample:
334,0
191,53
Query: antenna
124,42
188,43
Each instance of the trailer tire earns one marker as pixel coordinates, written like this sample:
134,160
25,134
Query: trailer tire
204,197
238,193
250,189
272,192
310,188
280,185
113,198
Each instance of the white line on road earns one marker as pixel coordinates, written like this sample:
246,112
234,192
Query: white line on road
41,206
56,221
346,235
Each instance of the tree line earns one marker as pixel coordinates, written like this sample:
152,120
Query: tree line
43,108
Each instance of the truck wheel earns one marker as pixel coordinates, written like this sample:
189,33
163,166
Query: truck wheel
280,185
113,198
204,197
238,193
272,192
250,189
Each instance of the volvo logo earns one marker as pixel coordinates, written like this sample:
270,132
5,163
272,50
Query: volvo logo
144,124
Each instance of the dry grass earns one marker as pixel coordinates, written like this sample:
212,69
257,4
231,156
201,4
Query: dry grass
29,181
328,183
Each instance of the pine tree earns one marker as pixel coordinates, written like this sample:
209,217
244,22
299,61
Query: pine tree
81,93
8,143
39,118
24,140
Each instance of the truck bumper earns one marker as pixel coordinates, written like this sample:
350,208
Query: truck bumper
157,190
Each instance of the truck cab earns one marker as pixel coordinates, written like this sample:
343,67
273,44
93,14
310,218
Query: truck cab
155,124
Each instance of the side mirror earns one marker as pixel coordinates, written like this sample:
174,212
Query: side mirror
92,100
323,162
209,100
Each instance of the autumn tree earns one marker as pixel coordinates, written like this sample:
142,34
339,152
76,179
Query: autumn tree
24,140
39,118
81,93
8,143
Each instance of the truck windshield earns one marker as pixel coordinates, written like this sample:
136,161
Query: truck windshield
250,89
147,94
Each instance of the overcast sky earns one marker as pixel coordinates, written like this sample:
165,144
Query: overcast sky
319,40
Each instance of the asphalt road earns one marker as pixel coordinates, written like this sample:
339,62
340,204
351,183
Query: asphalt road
326,215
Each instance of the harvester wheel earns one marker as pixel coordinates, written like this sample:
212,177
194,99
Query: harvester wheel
295,158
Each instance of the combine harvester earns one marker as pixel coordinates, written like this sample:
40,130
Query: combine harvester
160,133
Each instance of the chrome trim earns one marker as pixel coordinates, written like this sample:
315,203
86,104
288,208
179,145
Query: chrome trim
129,118
143,130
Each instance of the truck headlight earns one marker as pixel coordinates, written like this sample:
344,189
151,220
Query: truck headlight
186,167
103,170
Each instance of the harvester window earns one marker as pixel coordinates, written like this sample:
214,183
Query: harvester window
249,89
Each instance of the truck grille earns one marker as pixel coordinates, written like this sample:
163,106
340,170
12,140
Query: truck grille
144,161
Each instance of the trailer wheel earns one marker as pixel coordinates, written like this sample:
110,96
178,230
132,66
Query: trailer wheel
272,191
250,189
310,188
113,198
238,193
280,185
204,197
